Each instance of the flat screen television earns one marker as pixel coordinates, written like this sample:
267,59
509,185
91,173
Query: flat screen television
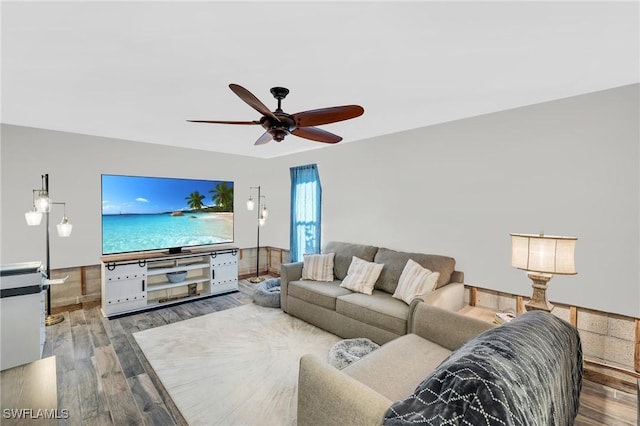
141,213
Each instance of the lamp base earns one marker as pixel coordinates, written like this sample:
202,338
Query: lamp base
53,319
256,280
539,300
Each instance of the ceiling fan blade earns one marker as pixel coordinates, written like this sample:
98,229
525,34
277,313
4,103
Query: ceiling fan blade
266,137
224,122
320,116
315,134
253,102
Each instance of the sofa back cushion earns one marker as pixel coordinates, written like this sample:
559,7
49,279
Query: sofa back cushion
395,261
344,252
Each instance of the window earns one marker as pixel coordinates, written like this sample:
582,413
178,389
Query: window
306,207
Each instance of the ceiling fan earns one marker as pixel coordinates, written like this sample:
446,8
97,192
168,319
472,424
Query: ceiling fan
279,124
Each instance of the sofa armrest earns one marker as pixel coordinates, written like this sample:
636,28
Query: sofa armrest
288,272
444,327
457,277
326,396
450,297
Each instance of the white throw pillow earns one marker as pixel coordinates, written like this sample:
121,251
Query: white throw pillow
362,275
318,267
415,280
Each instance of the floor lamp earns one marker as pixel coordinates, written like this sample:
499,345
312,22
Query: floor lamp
262,217
42,206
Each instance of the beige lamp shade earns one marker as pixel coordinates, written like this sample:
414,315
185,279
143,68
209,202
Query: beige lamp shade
543,253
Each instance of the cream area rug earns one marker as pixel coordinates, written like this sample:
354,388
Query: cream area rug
234,367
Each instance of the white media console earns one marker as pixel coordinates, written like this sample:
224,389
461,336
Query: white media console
137,281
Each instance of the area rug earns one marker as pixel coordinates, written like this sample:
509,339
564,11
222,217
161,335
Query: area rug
234,367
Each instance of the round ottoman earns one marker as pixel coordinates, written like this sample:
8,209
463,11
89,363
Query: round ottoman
267,293
347,351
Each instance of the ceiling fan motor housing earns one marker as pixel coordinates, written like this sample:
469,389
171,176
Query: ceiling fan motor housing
279,130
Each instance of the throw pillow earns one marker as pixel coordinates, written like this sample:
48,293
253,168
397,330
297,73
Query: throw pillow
415,280
362,275
318,267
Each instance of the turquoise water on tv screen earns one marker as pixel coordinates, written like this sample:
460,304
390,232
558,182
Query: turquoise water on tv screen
123,233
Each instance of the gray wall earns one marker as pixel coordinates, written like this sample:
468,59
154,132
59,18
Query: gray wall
567,167
74,163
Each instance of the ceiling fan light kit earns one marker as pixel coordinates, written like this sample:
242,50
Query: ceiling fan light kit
278,124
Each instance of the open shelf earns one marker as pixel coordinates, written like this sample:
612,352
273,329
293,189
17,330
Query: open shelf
164,285
159,270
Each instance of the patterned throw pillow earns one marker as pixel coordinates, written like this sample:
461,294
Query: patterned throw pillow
362,275
415,280
318,267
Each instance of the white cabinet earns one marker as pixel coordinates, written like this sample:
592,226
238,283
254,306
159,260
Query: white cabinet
22,312
123,287
135,282
224,273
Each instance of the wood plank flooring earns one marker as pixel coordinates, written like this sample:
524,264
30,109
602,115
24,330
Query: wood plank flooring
104,378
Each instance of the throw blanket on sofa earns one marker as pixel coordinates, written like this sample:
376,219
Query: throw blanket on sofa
526,372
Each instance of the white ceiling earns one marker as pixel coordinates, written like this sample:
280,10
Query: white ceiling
138,70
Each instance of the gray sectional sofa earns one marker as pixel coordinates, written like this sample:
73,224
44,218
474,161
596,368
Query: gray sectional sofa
452,369
379,316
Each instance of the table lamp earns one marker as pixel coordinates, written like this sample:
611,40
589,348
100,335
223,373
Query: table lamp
542,256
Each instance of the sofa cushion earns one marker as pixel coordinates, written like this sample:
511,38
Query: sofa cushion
318,267
362,275
318,293
378,309
414,281
394,369
345,252
394,262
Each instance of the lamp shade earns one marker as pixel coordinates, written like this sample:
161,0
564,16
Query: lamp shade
33,217
250,204
43,203
543,253
64,227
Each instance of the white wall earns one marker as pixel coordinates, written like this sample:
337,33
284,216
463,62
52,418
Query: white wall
74,163
567,167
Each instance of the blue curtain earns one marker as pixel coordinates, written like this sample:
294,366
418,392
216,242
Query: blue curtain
306,208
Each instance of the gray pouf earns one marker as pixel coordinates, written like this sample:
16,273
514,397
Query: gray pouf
267,293
347,351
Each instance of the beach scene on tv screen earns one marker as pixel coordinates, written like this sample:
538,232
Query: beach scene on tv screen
152,213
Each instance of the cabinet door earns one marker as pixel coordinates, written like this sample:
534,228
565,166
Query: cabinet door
125,287
224,272
20,329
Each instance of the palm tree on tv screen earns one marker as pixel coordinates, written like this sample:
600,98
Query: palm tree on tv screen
223,196
195,200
